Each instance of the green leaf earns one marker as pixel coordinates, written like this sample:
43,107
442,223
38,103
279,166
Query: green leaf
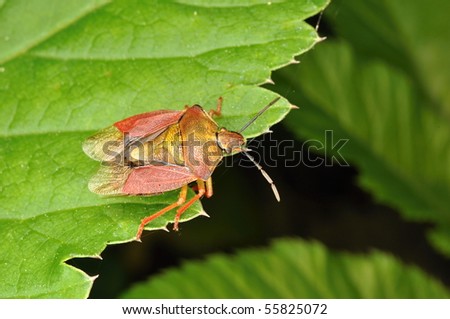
79,66
411,35
22,28
292,269
400,144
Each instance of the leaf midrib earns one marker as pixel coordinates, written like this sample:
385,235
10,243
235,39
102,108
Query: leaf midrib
54,57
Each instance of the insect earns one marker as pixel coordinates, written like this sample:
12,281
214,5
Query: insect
159,151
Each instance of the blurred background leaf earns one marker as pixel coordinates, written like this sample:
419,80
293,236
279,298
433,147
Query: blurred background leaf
408,35
79,66
393,134
291,268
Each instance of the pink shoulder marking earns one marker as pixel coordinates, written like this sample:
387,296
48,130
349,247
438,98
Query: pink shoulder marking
147,123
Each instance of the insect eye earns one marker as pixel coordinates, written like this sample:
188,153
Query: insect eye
230,142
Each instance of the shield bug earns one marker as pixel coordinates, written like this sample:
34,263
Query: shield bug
159,151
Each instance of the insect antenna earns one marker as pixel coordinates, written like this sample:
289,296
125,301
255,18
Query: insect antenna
263,172
266,176
259,114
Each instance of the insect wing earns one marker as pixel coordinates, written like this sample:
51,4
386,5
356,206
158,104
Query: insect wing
154,179
109,179
108,145
145,124
144,180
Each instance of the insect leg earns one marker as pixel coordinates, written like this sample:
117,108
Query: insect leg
209,187
146,220
182,209
218,110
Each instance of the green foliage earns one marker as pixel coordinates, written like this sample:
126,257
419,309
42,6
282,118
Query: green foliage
408,35
384,87
291,269
79,66
388,126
